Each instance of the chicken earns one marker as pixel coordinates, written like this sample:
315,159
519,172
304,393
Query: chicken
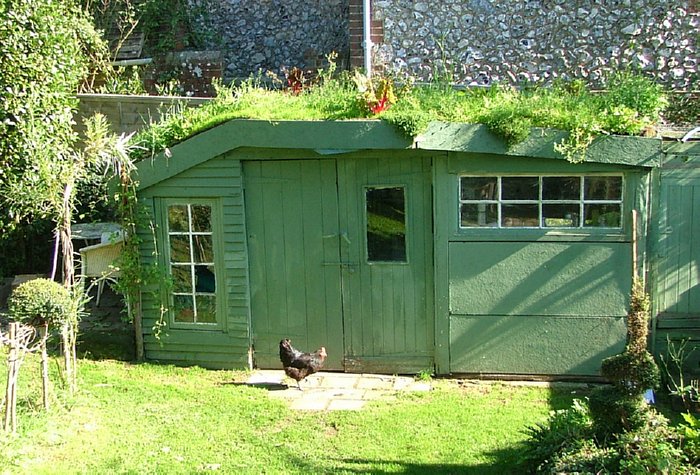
298,365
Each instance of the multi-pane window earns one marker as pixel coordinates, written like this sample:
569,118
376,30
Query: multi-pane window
541,201
192,263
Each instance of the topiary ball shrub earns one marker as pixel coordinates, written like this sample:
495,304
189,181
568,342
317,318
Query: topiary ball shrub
632,372
39,302
614,411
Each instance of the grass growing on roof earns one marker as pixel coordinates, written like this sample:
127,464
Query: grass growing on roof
630,106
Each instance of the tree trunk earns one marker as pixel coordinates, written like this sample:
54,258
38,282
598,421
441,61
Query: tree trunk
69,330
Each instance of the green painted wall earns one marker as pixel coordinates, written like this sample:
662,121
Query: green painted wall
498,344
529,301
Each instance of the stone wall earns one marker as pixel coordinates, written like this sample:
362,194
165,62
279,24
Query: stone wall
270,35
127,114
516,41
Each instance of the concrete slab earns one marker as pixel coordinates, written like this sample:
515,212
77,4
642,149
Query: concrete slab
345,404
327,391
339,381
310,404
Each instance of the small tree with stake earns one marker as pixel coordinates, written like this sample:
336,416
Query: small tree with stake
34,306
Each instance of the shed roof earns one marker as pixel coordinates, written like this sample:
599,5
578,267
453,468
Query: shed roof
326,137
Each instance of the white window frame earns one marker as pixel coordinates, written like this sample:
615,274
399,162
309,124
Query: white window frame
540,202
190,233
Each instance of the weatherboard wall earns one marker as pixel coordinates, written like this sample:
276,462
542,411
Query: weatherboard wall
675,255
505,301
218,179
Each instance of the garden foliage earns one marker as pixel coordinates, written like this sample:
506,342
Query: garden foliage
41,301
616,431
47,50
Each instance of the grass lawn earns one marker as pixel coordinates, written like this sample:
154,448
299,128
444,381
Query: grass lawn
150,418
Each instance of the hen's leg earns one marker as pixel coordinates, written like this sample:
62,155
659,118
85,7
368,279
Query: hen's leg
299,385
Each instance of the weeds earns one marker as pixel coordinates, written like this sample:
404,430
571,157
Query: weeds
630,106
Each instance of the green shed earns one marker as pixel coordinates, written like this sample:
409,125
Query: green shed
445,252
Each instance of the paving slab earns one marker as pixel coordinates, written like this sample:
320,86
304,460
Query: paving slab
327,391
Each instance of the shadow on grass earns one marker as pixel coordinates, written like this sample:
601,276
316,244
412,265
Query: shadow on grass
262,385
506,460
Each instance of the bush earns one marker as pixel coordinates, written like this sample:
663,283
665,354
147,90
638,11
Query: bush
654,448
614,411
632,372
39,302
564,431
586,458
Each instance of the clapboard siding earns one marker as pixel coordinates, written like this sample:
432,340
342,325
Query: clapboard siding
676,269
218,179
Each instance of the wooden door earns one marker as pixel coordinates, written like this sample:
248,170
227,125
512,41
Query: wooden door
386,222
676,277
293,247
340,255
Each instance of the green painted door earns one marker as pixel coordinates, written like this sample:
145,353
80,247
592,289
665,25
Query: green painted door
340,255
677,275
292,226
386,218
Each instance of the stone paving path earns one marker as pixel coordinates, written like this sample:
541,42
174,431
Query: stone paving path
334,391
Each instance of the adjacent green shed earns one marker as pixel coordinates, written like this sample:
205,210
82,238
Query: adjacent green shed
446,252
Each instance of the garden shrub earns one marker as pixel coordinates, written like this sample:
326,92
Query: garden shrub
586,458
40,301
690,431
653,448
564,431
615,411
634,373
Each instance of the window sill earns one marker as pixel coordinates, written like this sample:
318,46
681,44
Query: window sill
539,235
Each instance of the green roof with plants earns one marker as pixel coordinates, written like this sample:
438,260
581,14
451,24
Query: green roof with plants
630,105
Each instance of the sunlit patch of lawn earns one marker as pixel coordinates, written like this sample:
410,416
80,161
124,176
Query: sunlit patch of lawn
152,418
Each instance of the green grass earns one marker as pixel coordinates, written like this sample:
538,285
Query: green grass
630,106
150,418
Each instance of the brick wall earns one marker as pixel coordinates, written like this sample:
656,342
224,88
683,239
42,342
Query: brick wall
356,38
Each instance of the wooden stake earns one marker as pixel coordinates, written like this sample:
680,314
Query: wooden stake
10,392
634,244
44,332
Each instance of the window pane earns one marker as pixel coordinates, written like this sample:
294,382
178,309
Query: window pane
523,215
177,218
183,308
479,188
603,215
203,248
561,188
386,224
182,279
603,188
205,281
201,218
180,249
561,215
479,214
520,188
206,309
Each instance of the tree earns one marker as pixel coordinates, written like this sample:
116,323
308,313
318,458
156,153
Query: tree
48,51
